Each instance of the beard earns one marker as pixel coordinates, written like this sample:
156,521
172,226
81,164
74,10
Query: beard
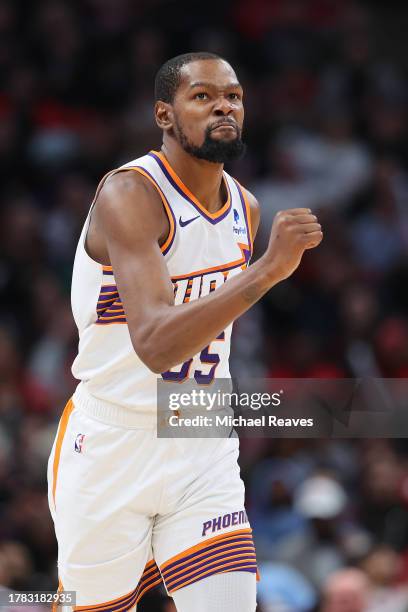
216,151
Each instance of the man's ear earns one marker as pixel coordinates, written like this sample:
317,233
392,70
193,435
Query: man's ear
163,113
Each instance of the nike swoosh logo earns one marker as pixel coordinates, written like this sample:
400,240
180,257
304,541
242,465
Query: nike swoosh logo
184,223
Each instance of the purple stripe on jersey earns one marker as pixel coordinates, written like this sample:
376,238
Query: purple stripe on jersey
130,600
120,602
103,308
241,197
236,567
251,570
110,315
223,563
208,560
186,197
105,321
108,272
243,540
227,267
107,299
248,555
109,289
217,547
167,249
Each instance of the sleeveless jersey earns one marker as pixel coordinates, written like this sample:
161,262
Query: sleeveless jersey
202,251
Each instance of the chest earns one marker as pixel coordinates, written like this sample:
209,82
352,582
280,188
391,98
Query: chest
204,255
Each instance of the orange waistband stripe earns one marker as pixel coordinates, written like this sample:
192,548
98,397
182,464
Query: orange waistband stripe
60,438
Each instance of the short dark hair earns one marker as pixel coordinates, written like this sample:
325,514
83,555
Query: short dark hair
168,77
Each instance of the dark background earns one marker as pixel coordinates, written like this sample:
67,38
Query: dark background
326,126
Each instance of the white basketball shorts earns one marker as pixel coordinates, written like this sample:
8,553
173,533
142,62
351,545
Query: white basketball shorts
131,510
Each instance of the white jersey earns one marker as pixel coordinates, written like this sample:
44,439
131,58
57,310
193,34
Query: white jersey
202,251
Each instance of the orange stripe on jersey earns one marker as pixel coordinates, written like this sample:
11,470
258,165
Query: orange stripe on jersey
104,324
58,445
108,293
55,604
148,587
110,318
188,291
198,547
246,552
248,213
118,600
222,267
226,546
150,578
111,300
165,204
228,552
188,193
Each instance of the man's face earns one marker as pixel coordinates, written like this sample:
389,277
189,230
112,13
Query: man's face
208,111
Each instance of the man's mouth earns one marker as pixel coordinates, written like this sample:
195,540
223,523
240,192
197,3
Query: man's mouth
225,126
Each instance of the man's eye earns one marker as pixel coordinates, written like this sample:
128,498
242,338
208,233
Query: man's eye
234,96
201,95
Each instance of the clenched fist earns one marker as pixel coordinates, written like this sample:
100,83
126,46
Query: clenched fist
293,231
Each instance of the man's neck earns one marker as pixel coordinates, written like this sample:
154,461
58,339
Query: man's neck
203,178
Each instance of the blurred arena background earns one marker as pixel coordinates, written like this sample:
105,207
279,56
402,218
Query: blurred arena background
326,94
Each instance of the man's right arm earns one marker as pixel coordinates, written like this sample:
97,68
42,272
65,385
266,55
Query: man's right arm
164,334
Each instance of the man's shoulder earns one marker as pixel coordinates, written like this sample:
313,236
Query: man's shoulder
133,175
142,161
130,186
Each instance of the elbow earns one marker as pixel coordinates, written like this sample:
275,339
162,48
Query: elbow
155,365
152,356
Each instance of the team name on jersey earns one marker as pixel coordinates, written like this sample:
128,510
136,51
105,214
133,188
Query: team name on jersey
224,521
194,287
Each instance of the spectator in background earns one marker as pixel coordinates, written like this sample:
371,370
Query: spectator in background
346,591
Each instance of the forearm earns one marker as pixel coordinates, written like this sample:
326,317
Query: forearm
176,333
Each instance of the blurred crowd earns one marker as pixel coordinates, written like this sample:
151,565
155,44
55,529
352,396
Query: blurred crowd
326,127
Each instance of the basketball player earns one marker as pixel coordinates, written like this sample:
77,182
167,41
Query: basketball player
160,274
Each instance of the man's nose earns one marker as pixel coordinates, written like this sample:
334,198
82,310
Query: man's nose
223,107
